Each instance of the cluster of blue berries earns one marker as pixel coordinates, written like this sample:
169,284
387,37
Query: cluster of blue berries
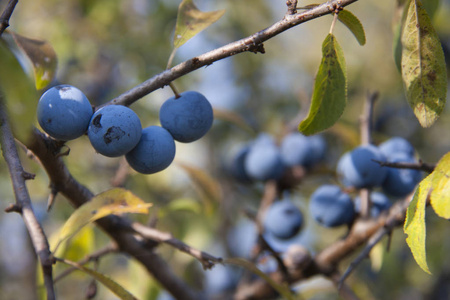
330,206
262,159
65,114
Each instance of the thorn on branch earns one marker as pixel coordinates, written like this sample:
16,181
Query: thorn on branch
64,153
52,196
28,176
13,208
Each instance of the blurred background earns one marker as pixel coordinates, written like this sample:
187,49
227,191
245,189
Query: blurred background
106,47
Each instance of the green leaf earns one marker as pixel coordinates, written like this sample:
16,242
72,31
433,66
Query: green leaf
330,90
190,21
18,91
440,194
41,56
353,23
113,286
415,223
114,201
284,290
423,65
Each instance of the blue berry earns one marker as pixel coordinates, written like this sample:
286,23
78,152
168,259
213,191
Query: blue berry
154,152
114,130
283,219
379,203
331,207
401,182
357,168
64,112
300,150
263,161
395,145
237,168
187,118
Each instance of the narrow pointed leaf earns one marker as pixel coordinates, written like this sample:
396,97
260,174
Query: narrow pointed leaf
284,290
113,286
190,21
423,65
440,195
232,117
42,57
354,25
415,223
207,187
114,201
330,90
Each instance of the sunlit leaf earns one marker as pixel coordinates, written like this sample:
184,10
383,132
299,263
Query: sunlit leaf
284,290
376,257
207,187
440,195
354,25
330,90
114,201
19,94
80,245
190,21
232,117
397,22
423,65
42,57
415,223
113,286
185,204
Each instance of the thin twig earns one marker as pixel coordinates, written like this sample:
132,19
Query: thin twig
252,43
16,171
206,259
6,15
421,166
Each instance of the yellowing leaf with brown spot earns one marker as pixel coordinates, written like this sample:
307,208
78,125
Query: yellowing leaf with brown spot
112,202
422,65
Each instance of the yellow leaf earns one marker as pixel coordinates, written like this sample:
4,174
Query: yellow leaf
440,194
114,201
415,223
41,56
190,21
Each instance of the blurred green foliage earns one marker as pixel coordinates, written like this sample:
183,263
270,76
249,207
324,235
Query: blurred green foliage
106,47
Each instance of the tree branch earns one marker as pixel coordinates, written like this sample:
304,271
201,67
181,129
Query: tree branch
23,201
118,228
326,262
252,43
